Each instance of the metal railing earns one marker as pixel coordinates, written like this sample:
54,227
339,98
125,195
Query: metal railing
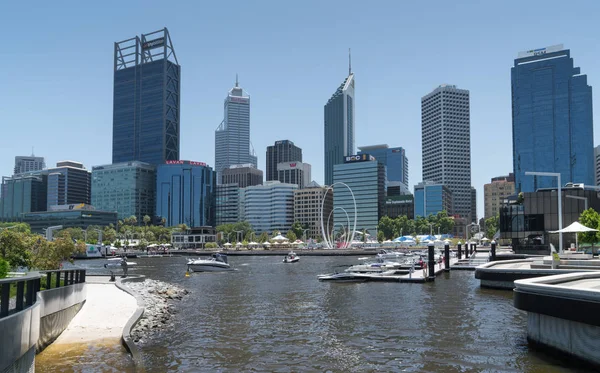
26,288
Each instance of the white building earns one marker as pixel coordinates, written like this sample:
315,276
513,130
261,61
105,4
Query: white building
294,173
446,143
232,137
268,207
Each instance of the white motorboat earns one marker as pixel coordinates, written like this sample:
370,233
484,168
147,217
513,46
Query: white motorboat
292,257
376,266
385,254
117,263
218,262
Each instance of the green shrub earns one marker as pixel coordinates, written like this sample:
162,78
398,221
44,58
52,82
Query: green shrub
4,268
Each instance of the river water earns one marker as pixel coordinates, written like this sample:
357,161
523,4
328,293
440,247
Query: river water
272,317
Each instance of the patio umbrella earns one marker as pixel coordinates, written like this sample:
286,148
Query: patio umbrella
576,227
227,244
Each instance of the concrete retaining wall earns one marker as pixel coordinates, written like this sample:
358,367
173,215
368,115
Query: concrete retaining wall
19,333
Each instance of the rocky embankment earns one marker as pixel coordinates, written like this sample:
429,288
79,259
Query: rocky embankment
160,298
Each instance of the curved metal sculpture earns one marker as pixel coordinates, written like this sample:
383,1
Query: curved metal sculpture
326,236
329,239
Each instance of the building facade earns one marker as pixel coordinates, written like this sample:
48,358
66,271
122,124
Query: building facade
244,175
294,173
339,126
552,122
495,192
393,158
366,178
432,198
69,183
146,99
185,193
232,137
473,217
446,142
401,205
269,207
193,238
25,164
282,151
69,216
22,194
597,164
307,209
227,204
127,188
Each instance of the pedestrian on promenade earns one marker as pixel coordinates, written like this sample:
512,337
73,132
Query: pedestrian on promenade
124,265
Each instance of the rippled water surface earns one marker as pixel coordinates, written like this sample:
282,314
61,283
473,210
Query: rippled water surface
272,317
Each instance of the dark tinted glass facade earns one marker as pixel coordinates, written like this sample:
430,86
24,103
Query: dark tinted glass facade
281,151
146,101
552,120
393,158
185,194
69,219
69,185
22,194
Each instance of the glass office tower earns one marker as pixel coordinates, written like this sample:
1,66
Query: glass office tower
393,158
185,193
146,99
431,198
281,151
552,120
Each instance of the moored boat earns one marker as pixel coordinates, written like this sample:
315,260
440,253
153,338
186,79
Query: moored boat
218,262
292,257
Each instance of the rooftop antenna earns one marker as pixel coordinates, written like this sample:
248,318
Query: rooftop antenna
349,62
32,153
236,80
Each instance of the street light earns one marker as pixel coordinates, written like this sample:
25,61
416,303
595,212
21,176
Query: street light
585,199
560,227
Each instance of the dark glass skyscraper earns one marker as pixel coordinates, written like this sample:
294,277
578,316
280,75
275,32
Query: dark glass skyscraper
146,99
393,158
552,119
339,126
281,151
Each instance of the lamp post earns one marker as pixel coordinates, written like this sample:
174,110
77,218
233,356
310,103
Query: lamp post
560,227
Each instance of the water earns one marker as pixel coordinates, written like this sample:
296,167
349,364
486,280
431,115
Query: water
273,317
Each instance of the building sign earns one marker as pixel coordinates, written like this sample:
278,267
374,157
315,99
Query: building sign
153,44
173,162
541,51
283,166
358,158
241,100
197,163
191,163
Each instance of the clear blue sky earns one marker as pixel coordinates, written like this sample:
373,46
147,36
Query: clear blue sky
56,70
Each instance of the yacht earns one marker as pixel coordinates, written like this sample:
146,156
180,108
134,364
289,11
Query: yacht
217,262
385,254
377,266
292,257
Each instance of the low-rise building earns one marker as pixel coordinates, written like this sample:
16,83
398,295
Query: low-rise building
69,216
193,238
402,205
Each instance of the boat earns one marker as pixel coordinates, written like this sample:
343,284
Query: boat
217,262
385,254
344,277
292,257
378,265
116,263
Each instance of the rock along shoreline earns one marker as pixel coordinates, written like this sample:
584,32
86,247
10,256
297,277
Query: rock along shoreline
160,299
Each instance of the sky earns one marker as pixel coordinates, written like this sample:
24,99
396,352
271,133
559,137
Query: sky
56,70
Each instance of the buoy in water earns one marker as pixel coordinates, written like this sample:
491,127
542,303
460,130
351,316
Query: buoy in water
187,273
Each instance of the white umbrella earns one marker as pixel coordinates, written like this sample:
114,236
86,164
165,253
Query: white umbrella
266,243
576,227
252,243
227,244
238,244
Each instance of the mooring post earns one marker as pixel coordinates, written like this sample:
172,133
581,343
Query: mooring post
446,256
431,262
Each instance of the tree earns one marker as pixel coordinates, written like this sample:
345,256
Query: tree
210,245
380,237
146,220
291,236
520,198
591,219
4,268
264,237
364,235
387,226
298,229
491,226
13,248
109,234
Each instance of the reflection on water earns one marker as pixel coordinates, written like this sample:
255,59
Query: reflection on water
273,317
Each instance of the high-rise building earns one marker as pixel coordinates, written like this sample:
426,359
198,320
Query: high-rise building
495,192
227,204
551,120
294,173
269,207
25,164
69,183
185,193
307,209
23,194
281,151
339,126
393,158
232,137
244,175
597,165
432,198
146,99
473,205
128,188
446,143
366,178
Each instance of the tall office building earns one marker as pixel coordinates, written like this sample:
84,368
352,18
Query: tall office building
69,183
473,205
366,178
495,192
25,164
146,99
23,194
232,137
185,193
339,126
551,120
393,158
432,198
227,204
597,164
269,207
244,175
294,173
446,143
128,188
307,209
281,151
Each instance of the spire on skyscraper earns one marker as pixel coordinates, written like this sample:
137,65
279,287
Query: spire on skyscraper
349,62
236,79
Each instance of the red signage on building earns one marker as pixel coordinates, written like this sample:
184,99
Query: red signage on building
191,163
292,165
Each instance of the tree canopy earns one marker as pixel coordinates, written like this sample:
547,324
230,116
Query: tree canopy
402,225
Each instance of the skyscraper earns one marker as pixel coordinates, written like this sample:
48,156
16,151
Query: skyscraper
446,143
69,183
232,137
393,158
552,119
339,126
25,164
281,151
146,99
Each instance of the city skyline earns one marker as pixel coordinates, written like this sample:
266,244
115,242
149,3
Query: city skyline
296,57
